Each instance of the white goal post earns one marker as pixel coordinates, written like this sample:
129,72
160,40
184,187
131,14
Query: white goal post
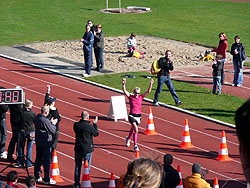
107,5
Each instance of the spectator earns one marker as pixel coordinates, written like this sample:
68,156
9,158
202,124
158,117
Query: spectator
44,130
131,44
134,117
196,180
217,66
221,50
92,27
242,122
166,65
171,176
3,129
12,179
87,40
16,121
98,47
143,173
84,146
29,134
239,56
31,182
53,113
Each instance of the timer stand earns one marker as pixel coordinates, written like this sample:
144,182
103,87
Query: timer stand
23,157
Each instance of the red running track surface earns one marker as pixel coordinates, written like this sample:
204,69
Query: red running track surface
111,154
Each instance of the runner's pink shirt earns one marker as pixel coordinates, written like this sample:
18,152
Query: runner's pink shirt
135,104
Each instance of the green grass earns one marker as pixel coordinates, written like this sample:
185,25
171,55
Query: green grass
196,99
247,64
197,21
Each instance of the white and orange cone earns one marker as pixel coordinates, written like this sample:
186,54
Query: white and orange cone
223,151
86,178
150,128
181,183
216,184
54,170
186,139
112,181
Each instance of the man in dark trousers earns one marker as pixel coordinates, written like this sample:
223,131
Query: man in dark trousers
44,130
166,65
84,146
171,176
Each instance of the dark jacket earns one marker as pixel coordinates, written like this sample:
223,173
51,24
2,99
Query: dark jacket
99,40
88,41
222,48
44,130
16,116
28,120
217,68
84,132
166,65
3,109
171,177
241,51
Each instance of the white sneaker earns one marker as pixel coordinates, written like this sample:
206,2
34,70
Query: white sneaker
39,179
3,155
86,75
127,141
136,148
50,182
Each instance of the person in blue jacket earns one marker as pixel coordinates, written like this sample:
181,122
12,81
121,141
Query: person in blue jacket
88,41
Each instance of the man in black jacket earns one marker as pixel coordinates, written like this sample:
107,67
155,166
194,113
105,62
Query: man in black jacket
171,176
84,147
166,65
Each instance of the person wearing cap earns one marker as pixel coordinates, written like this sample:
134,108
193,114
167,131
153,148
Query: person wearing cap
195,180
217,67
84,147
53,113
99,47
171,176
131,44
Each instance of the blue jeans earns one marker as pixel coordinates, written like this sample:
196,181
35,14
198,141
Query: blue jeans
3,135
88,61
238,72
99,58
222,70
29,150
168,82
216,82
78,165
43,156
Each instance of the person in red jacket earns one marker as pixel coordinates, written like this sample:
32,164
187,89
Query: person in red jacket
221,50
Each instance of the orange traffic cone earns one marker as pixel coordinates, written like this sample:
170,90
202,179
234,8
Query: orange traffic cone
216,184
137,155
54,170
86,178
150,128
186,139
112,181
223,151
181,183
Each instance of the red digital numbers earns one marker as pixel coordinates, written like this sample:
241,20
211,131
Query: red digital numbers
8,96
15,96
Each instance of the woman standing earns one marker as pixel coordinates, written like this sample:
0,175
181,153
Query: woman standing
135,101
98,47
221,50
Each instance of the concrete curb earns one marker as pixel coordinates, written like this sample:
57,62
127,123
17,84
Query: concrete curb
119,91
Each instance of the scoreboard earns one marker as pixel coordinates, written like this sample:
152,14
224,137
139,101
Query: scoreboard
12,96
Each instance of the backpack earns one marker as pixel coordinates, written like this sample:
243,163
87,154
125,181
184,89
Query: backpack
155,67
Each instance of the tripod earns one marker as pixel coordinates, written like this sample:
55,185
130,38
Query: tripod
23,158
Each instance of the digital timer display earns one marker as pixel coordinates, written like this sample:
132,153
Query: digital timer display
11,96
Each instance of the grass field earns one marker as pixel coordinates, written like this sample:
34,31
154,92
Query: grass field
195,98
197,21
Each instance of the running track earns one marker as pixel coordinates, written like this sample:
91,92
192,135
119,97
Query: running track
110,154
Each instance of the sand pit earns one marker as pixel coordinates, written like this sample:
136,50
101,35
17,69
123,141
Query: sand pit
115,52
